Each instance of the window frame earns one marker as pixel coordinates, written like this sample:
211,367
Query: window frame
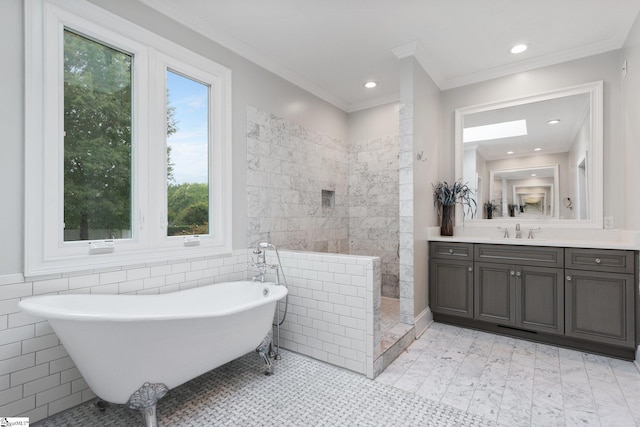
45,249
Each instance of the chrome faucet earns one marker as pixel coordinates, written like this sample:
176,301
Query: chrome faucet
261,263
518,234
531,230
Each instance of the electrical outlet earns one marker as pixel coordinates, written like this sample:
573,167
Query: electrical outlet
608,222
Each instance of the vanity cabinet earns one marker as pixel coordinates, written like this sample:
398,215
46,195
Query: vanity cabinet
451,273
581,298
600,293
527,295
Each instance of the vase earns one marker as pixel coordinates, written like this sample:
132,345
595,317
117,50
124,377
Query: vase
446,227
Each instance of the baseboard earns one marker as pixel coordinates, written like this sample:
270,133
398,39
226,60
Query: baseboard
637,361
423,321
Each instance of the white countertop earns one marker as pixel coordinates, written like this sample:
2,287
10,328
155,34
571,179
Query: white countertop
567,238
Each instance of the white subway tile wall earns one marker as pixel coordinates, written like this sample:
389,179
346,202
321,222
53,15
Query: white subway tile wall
341,293
334,308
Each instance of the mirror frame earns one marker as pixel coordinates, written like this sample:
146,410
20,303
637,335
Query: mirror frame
595,158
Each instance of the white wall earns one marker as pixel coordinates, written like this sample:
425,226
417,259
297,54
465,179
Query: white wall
605,67
631,127
12,158
373,122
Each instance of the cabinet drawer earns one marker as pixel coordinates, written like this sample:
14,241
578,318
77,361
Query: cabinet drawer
541,256
607,260
451,250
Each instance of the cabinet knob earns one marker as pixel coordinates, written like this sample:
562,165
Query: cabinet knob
470,269
518,274
568,278
513,273
598,260
450,251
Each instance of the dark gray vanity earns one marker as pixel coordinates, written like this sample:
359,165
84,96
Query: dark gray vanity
573,297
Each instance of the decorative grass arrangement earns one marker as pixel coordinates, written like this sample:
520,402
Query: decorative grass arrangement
445,196
449,194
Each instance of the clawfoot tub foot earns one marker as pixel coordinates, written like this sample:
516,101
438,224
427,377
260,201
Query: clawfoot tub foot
102,405
264,349
145,400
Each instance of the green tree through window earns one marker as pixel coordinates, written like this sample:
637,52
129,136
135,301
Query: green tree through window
97,143
187,155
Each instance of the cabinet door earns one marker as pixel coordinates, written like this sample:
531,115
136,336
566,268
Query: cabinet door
600,307
451,289
495,296
540,299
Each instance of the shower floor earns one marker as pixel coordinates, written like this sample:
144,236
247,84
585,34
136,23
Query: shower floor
392,330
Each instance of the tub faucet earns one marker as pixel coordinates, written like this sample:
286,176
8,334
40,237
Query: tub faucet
260,264
518,234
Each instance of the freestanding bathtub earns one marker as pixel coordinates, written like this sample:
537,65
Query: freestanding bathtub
133,347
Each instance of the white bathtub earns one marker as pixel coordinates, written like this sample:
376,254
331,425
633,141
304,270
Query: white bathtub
119,342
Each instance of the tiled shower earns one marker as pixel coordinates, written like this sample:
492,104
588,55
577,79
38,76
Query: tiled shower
308,191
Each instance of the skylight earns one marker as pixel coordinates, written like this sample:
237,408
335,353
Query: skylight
495,131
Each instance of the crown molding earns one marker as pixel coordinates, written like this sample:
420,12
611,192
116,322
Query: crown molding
417,50
534,63
375,102
181,15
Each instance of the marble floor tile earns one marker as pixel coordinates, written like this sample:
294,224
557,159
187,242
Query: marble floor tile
518,383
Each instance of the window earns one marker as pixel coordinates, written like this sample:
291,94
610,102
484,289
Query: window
187,155
97,140
127,144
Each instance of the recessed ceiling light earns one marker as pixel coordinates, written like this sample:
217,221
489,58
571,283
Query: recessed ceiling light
533,174
519,48
537,149
509,152
554,121
370,84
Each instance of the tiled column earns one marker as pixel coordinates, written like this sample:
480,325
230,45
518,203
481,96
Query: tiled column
405,168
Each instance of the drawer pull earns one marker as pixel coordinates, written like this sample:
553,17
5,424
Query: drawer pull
450,251
598,260
470,269
568,278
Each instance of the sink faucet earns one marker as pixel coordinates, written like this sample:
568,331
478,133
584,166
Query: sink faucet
531,230
518,234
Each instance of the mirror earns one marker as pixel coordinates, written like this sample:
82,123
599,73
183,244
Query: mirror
522,157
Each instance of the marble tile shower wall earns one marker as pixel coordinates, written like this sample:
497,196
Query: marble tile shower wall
373,205
288,167
37,377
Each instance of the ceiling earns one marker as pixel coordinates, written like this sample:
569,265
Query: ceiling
331,47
